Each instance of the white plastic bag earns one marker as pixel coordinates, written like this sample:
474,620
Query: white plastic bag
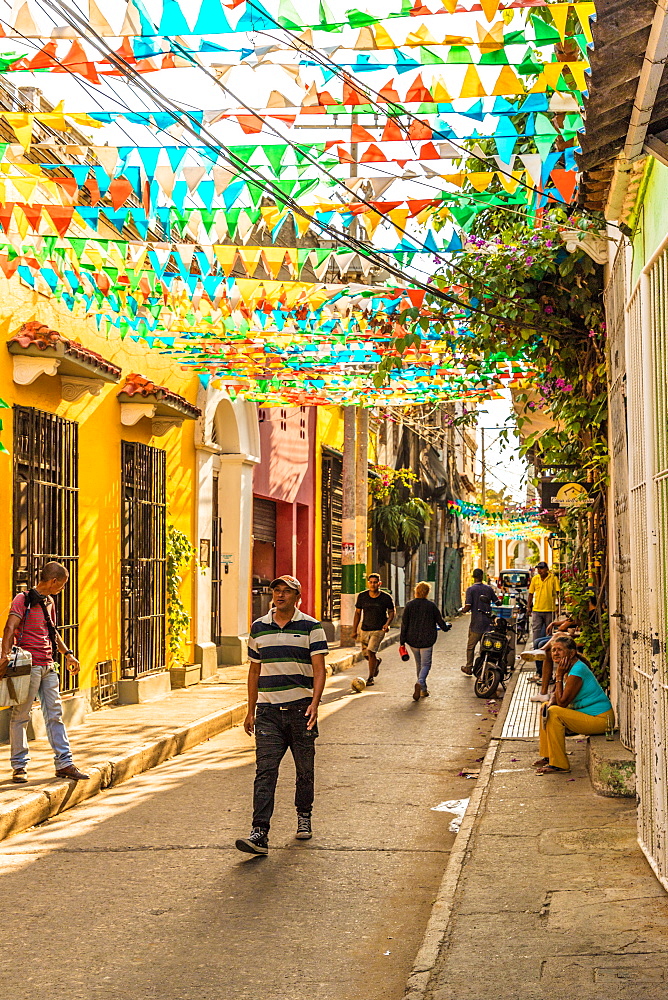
19,660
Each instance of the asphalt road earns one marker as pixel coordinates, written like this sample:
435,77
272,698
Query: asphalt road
139,894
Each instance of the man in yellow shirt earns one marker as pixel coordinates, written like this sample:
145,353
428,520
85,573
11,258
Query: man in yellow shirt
543,591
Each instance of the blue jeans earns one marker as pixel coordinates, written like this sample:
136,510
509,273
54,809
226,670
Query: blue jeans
44,682
422,663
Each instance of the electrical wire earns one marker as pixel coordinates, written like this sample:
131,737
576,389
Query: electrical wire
366,89
168,105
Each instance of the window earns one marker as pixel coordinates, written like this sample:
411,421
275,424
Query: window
143,559
302,423
332,510
46,508
284,419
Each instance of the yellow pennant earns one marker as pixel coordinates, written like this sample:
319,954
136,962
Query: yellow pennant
559,12
472,85
226,257
584,11
508,83
490,8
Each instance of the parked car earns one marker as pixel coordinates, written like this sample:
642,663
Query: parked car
515,579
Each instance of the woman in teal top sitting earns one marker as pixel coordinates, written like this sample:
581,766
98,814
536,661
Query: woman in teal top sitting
579,704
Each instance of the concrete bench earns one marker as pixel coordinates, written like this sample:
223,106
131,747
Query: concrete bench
612,768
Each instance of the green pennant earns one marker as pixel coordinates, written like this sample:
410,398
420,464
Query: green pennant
529,66
232,219
208,219
458,55
429,58
360,19
288,17
79,245
546,34
275,156
496,58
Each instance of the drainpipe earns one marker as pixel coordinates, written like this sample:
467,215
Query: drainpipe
651,74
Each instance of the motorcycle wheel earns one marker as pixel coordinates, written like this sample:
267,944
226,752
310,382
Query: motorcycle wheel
487,680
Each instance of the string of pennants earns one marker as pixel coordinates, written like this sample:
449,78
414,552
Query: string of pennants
27,20
210,246
512,522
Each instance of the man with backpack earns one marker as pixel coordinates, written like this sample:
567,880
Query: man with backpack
31,625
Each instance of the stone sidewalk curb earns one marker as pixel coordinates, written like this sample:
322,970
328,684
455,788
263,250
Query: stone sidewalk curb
59,794
437,928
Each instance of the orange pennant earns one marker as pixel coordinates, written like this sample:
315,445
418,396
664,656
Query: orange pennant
419,130
61,216
418,92
120,190
373,155
392,132
360,134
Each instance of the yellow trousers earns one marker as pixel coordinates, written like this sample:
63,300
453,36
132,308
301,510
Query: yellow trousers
553,731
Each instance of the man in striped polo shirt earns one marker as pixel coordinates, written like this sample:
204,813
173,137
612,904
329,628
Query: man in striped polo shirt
285,684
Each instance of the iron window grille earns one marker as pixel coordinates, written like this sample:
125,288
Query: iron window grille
216,538
143,559
45,513
106,690
332,515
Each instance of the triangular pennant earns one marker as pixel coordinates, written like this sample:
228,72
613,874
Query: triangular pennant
472,84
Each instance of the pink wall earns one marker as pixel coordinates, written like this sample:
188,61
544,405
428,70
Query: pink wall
286,474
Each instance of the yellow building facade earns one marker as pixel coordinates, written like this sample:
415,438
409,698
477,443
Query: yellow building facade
36,389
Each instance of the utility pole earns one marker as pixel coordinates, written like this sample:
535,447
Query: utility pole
348,525
483,540
354,501
362,496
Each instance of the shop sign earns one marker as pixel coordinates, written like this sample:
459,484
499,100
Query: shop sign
565,496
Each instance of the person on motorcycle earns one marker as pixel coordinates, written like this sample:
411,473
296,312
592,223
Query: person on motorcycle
479,600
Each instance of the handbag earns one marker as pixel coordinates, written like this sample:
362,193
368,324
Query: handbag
15,685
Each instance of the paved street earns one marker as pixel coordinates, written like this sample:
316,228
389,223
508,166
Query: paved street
141,894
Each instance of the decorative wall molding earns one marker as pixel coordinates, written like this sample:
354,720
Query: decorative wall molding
131,413
163,424
27,369
73,387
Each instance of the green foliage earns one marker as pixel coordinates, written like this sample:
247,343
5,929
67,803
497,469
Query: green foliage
179,553
581,600
399,518
550,315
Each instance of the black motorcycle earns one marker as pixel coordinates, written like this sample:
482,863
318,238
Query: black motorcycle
491,667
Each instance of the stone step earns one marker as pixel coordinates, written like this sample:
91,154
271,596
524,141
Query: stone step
612,768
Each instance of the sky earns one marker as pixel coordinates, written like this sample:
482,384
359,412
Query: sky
504,465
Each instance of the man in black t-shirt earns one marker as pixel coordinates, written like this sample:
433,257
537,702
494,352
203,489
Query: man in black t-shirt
376,609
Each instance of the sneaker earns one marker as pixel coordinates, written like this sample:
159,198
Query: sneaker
369,682
19,777
256,843
467,670
304,831
416,692
539,698
424,693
